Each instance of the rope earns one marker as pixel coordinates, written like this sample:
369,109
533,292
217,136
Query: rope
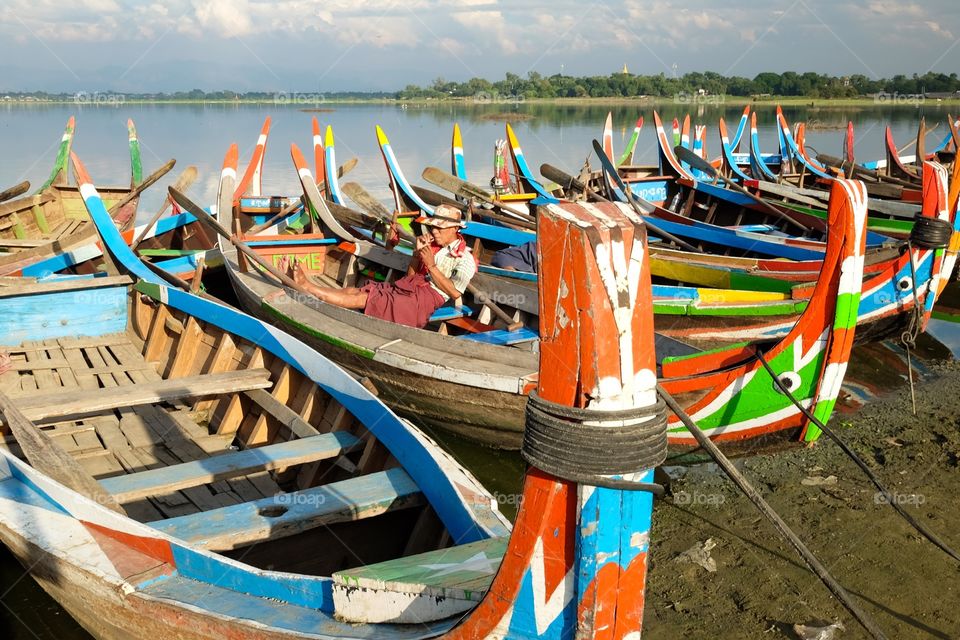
587,446
930,233
926,533
738,479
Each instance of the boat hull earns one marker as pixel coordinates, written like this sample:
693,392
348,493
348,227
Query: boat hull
487,416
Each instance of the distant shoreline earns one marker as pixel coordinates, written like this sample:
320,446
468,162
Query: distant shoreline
107,100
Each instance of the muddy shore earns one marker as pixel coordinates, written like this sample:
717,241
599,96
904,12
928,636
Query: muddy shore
761,587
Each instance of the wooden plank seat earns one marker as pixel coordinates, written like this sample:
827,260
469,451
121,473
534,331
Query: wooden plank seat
504,337
419,588
230,465
43,406
291,513
450,312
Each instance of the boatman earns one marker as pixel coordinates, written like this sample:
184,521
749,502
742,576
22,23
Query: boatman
440,269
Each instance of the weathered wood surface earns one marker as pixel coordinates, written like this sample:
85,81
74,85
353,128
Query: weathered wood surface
46,406
287,514
230,465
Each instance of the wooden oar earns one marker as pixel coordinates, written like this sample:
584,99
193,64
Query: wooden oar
367,202
137,190
14,191
47,457
561,177
611,170
201,215
464,189
696,162
435,199
182,183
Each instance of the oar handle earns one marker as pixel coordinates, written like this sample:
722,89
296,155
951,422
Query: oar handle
485,300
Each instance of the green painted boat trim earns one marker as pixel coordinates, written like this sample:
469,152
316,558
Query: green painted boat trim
41,219
136,161
311,331
700,354
785,308
880,225
63,156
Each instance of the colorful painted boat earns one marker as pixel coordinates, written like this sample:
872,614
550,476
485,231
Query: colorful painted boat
488,369
50,231
256,479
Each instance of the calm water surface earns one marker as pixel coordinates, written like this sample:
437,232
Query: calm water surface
560,135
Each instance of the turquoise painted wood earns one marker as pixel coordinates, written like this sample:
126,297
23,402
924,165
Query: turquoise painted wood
278,242
231,465
302,620
45,316
450,313
291,513
504,337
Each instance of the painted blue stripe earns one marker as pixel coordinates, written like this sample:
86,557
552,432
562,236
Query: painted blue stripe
757,164
333,181
527,174
314,592
279,242
508,273
795,150
653,191
181,264
732,162
744,118
496,233
401,180
23,490
459,165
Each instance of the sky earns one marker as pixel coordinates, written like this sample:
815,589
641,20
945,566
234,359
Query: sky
383,45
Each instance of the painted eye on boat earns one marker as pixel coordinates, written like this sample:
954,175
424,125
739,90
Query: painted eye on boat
790,380
905,283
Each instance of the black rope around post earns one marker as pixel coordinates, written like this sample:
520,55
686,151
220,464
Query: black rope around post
587,446
889,497
738,479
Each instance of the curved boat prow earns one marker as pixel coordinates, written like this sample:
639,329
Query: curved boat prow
58,175
458,166
136,161
330,165
252,182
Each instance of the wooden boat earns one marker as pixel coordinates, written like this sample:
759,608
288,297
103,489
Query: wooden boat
54,218
50,231
486,367
255,479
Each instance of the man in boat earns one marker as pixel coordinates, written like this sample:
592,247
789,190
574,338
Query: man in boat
440,269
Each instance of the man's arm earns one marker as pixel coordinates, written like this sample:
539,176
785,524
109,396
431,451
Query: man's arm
443,282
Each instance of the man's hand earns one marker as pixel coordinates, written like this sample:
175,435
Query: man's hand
425,252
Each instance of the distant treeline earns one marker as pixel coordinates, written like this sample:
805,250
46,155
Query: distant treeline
535,85
812,85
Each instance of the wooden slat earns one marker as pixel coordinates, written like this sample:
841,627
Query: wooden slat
229,465
67,285
285,415
288,514
186,349
223,360
45,406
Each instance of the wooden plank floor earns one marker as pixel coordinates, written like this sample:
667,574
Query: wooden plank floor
125,440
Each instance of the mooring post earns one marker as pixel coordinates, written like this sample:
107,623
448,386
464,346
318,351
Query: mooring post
576,563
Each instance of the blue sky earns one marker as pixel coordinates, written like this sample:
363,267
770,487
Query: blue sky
301,45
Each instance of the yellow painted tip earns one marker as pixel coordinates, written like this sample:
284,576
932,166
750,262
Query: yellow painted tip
381,136
231,159
328,137
512,137
457,140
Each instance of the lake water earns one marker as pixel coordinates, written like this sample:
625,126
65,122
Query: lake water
561,135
